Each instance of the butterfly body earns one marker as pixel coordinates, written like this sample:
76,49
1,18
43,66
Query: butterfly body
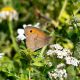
35,38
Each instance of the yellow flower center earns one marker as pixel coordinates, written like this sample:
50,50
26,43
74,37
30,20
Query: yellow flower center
7,8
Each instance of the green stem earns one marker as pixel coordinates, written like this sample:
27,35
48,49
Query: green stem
42,51
62,10
29,75
11,35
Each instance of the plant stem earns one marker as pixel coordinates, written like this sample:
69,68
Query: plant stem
42,51
29,75
63,8
11,35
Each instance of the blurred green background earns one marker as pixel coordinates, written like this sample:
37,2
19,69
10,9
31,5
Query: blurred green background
58,18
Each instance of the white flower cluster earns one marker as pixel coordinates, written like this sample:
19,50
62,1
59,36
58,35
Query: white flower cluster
58,50
8,13
72,60
63,53
58,73
20,32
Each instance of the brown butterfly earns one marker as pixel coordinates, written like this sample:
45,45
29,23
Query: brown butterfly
35,38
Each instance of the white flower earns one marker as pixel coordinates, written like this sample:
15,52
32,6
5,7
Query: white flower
71,60
58,50
49,63
67,51
1,55
37,25
29,25
20,31
8,13
63,53
21,37
2,15
56,46
55,75
24,25
60,65
61,73
20,34
50,52
60,54
58,73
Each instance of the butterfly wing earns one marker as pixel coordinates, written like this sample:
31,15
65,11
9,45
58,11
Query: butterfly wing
30,42
40,42
35,38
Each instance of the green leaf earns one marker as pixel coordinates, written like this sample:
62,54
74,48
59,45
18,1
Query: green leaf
71,73
77,50
39,64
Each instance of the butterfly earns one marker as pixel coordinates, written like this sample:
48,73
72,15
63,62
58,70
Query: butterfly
35,38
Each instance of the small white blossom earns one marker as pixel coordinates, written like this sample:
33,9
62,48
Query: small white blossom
67,51
71,60
29,25
60,54
37,25
20,34
49,63
50,52
21,37
20,31
56,46
60,65
61,72
1,55
58,73
24,25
